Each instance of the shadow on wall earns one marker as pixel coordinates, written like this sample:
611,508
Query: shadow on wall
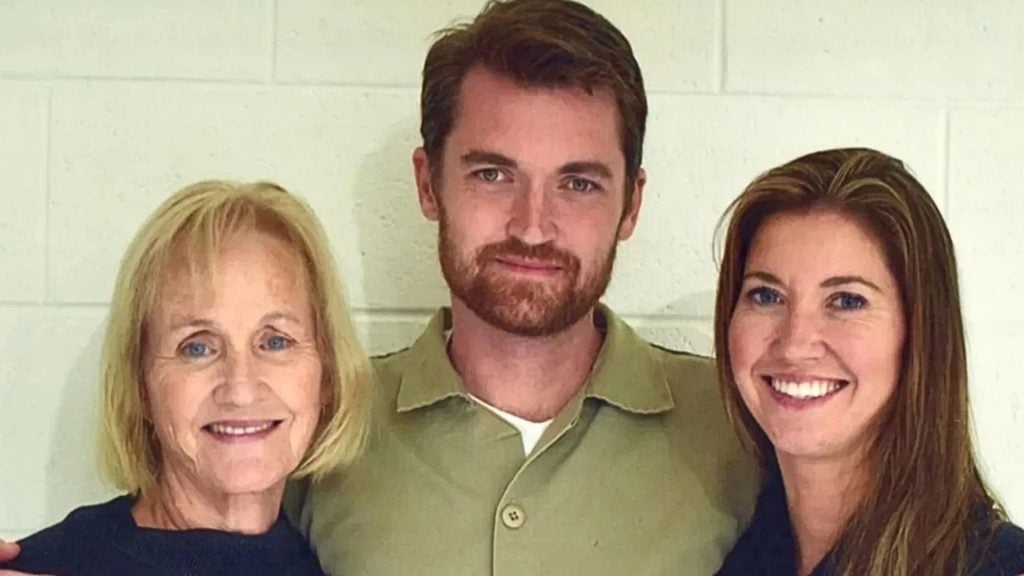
398,246
684,324
72,478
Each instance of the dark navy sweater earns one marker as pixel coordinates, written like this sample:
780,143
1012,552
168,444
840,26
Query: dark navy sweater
103,540
767,547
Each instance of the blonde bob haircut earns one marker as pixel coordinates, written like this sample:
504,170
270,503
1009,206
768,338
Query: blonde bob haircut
193,224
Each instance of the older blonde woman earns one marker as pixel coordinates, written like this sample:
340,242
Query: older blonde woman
229,365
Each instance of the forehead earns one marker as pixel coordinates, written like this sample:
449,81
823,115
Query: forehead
535,125
817,243
245,267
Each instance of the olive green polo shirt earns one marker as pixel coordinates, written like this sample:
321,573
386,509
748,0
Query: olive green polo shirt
639,475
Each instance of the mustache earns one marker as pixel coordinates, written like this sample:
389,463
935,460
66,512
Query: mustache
515,247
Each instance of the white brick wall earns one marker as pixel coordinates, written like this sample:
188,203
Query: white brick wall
108,106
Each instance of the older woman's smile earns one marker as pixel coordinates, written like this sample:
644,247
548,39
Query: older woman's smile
230,430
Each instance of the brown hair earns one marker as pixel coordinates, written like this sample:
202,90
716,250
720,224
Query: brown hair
542,43
906,524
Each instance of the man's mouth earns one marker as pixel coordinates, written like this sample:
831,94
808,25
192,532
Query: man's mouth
529,265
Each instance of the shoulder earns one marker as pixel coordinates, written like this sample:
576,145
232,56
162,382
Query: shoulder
1004,554
693,383
389,369
390,366
703,433
70,543
686,372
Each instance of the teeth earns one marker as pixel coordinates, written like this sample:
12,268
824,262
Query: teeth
240,430
805,390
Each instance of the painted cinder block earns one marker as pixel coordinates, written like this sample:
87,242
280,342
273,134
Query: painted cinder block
325,41
985,204
229,39
49,379
118,150
997,403
23,193
702,151
909,49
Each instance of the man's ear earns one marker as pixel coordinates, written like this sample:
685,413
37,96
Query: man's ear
429,205
632,211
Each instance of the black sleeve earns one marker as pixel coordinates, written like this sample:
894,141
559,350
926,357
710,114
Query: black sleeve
1005,556
51,551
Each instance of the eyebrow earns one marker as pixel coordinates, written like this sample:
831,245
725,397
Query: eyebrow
829,283
486,157
593,168
279,316
193,322
853,279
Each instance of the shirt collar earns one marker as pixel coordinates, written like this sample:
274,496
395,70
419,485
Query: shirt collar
626,373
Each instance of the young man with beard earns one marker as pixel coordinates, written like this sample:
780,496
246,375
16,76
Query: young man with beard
529,430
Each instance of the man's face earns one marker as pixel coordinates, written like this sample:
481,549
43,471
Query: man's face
530,201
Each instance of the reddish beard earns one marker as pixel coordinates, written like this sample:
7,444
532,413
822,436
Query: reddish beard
525,307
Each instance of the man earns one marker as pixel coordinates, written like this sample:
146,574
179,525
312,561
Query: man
529,430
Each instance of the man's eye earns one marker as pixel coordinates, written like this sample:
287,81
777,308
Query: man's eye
195,350
489,175
582,185
848,301
764,296
275,343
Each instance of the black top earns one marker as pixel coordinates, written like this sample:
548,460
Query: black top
767,547
103,540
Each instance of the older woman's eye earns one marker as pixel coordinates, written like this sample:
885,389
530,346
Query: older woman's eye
764,296
276,342
848,301
196,350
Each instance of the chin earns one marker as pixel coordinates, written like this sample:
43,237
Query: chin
811,447
248,480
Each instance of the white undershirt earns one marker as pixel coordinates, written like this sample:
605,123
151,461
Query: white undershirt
529,432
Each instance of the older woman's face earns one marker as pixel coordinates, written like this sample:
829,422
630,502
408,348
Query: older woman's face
816,337
232,370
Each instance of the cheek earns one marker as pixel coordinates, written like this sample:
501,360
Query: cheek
872,355
174,401
299,388
477,222
749,339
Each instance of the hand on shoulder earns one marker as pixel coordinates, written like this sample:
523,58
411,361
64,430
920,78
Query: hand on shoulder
8,551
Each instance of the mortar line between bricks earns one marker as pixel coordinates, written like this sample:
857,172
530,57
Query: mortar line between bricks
47,191
25,305
944,158
720,54
274,8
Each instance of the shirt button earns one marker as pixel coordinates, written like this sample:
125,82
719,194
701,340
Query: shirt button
513,517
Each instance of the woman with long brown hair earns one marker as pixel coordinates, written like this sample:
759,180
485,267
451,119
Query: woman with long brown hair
842,363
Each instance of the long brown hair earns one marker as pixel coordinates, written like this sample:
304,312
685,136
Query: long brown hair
539,43
921,509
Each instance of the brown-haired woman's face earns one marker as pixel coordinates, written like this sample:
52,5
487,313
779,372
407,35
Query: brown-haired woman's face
816,336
